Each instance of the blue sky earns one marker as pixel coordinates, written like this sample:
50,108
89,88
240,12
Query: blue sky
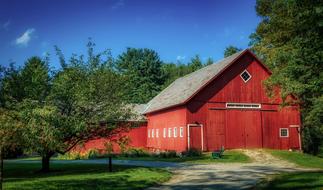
177,30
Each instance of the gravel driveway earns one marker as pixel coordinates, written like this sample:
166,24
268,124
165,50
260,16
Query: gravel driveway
210,176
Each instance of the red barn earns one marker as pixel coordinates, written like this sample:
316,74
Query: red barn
223,104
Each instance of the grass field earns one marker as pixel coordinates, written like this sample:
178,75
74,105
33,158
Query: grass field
302,180
24,176
230,156
304,160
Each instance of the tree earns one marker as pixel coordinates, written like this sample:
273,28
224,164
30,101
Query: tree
289,40
11,135
83,95
209,61
143,71
230,50
195,63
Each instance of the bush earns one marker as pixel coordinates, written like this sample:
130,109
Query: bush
136,152
192,153
92,154
168,154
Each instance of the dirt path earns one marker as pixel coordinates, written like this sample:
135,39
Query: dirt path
228,176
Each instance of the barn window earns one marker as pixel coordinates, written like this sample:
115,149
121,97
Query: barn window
245,75
175,131
165,131
148,133
181,132
152,133
283,132
157,133
243,105
169,132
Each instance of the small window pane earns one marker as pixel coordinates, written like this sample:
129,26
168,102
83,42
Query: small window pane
283,132
175,131
169,132
165,131
181,132
245,76
152,133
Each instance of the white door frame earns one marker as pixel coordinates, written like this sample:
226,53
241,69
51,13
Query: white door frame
188,134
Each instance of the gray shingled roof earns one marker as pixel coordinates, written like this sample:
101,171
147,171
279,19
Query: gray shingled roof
183,88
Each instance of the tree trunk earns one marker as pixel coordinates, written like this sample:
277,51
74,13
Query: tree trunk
110,163
45,162
1,168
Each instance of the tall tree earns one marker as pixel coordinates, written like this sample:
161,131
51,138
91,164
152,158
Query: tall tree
230,50
289,40
143,70
209,61
11,135
85,93
195,63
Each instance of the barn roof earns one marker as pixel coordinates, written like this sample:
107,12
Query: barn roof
182,89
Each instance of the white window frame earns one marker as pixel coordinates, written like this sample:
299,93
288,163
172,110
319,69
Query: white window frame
181,132
175,132
165,133
157,133
148,133
170,132
152,133
248,74
280,132
232,105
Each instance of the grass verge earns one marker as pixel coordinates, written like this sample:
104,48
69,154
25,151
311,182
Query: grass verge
300,180
301,159
24,176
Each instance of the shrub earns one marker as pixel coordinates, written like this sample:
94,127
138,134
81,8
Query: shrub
168,154
91,154
192,153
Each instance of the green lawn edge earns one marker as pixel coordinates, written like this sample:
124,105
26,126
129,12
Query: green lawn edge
70,176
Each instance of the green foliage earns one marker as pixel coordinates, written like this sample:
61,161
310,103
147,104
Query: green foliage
289,40
192,153
135,153
230,50
123,143
142,69
195,63
108,147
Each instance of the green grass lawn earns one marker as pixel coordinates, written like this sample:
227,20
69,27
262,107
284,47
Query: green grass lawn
302,180
229,156
301,159
24,176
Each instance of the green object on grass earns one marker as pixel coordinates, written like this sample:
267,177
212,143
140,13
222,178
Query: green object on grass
218,154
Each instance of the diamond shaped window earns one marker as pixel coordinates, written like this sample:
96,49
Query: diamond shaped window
245,75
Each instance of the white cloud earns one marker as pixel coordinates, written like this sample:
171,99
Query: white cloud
117,4
180,57
6,25
25,38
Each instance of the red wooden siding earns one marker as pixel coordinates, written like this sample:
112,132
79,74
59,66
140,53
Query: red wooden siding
138,139
169,119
